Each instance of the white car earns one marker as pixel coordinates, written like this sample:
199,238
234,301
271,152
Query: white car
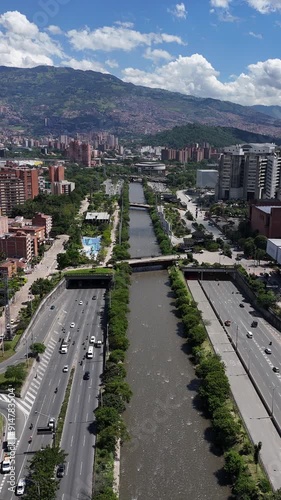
267,350
81,303
65,369
92,339
52,423
21,486
72,325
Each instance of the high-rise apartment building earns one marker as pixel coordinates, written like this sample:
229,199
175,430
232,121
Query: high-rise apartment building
56,173
80,152
249,171
11,193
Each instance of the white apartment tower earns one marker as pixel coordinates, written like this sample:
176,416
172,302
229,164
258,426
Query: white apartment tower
249,171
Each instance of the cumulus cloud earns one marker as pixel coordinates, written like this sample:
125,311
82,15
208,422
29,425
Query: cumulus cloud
110,38
265,6
112,63
178,11
84,65
54,30
255,35
195,75
23,45
156,55
224,4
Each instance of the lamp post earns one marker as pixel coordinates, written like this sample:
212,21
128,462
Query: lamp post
272,400
236,341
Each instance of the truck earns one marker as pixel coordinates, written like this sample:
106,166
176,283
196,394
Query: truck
11,441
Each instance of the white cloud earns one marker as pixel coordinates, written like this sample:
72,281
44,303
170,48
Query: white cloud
224,4
195,75
54,30
179,11
23,45
265,6
124,24
112,63
110,38
84,65
255,35
157,54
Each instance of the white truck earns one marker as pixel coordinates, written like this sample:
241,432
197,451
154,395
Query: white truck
11,441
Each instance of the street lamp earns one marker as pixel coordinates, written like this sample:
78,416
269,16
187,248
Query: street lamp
272,401
236,341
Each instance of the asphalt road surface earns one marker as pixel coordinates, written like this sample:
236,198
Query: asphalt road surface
41,402
226,300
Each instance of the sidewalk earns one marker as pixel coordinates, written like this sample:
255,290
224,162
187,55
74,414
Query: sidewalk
46,267
252,411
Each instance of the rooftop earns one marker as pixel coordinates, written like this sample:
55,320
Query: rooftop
267,209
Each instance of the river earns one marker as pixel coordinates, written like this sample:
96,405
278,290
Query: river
169,454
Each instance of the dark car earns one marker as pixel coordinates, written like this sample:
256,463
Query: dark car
60,470
241,304
276,369
86,375
94,297
52,307
254,324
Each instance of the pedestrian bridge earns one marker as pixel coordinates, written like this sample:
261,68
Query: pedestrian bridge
139,205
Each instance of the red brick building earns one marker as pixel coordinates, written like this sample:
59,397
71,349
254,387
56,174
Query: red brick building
56,173
265,218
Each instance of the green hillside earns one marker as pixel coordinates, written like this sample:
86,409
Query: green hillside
182,136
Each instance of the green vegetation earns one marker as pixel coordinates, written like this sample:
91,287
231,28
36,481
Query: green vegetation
178,226
15,375
162,237
37,348
63,410
181,136
41,484
265,298
121,249
241,458
95,271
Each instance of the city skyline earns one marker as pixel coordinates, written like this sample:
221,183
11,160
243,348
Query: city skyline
223,49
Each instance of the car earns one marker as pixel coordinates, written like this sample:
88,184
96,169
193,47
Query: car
52,423
92,339
267,350
227,322
249,335
86,375
241,304
254,324
61,470
52,307
94,297
72,325
98,343
20,488
80,302
65,369
276,369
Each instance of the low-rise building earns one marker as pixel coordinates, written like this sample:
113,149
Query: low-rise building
19,245
43,220
265,218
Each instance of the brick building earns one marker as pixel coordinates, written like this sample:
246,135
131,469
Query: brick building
19,245
265,218
43,220
56,173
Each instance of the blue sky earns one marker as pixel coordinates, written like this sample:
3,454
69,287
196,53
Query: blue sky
225,49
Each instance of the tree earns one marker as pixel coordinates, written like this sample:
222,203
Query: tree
41,287
17,373
225,427
245,487
106,417
234,463
37,348
40,474
261,242
121,388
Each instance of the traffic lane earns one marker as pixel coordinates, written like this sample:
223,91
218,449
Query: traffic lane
262,365
82,440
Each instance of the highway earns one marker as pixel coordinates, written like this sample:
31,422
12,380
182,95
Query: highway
226,300
41,402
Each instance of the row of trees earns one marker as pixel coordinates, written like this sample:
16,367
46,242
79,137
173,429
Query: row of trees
162,237
215,395
115,392
265,298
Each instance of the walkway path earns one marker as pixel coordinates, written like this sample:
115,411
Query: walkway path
253,413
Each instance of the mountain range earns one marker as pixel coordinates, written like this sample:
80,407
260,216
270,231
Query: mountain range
47,100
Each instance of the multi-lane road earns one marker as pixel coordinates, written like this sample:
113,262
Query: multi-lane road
41,400
227,301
